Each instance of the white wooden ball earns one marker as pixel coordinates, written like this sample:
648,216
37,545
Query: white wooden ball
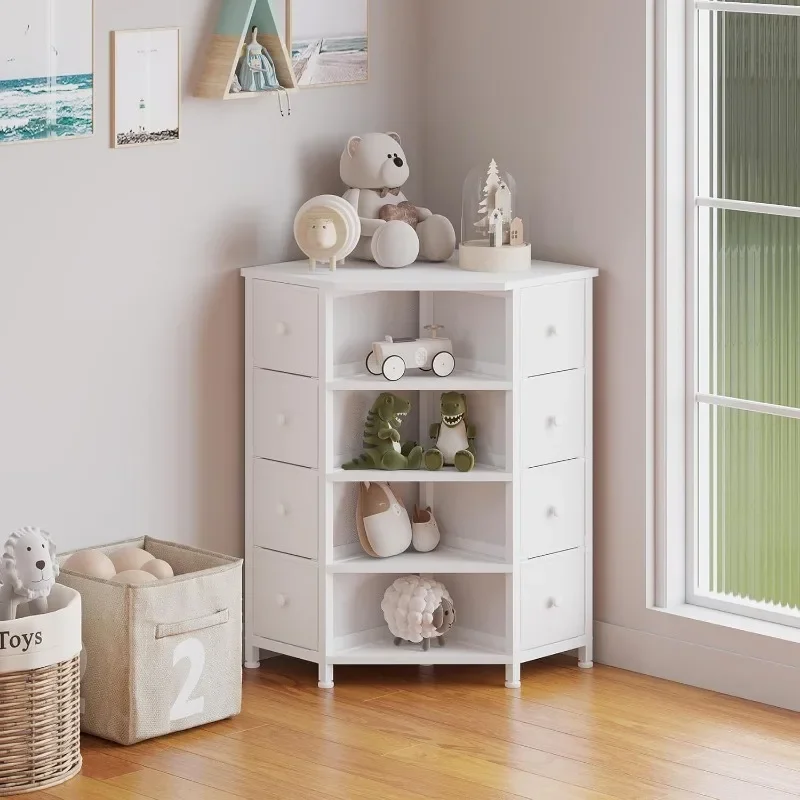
92,564
128,558
158,568
133,577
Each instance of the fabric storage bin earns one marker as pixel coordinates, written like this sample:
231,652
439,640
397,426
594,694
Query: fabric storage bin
163,656
40,737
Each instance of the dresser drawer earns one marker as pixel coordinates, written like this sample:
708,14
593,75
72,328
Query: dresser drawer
285,593
285,418
553,328
553,418
553,502
285,325
553,599
285,508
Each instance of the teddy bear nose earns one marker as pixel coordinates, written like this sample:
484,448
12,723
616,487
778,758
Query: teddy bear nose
398,162
40,565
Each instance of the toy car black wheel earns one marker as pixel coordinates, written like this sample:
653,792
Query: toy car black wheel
373,367
443,364
394,368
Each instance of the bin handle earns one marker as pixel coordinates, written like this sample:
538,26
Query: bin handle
166,629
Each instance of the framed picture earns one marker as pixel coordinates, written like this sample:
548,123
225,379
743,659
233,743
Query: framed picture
329,41
46,69
146,81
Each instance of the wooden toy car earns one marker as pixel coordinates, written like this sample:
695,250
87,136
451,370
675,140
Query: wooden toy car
392,357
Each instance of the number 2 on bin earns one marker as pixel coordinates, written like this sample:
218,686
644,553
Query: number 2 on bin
183,707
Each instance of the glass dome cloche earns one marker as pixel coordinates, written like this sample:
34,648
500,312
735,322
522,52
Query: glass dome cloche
492,225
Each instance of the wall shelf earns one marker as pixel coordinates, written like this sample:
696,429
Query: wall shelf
236,18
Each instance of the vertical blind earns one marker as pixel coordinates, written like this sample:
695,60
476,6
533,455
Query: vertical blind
754,314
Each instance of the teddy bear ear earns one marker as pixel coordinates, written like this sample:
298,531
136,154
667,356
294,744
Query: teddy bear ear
353,145
395,136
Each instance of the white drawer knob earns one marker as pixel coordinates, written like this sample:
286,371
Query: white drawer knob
282,600
281,420
280,510
281,329
552,331
552,512
555,602
555,422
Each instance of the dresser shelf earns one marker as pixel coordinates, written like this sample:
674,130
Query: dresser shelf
381,650
459,381
480,474
516,548
443,560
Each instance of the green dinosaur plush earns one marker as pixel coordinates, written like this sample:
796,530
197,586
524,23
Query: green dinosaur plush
382,449
454,436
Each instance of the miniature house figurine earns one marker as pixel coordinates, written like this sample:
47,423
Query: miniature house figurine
517,231
492,227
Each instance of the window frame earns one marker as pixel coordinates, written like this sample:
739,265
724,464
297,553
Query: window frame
678,399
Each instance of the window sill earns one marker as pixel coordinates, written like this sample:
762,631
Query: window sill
724,619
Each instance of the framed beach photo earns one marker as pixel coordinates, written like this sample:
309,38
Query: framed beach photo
329,41
146,87
46,69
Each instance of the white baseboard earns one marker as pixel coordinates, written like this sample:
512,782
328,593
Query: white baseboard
697,665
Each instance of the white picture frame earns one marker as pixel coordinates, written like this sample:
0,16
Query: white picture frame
146,87
46,70
328,41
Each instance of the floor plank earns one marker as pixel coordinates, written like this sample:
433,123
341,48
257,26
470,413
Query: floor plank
455,733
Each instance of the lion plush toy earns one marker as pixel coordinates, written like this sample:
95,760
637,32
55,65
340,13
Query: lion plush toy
394,232
28,569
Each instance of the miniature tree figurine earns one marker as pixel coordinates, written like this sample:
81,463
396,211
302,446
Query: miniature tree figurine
487,205
496,228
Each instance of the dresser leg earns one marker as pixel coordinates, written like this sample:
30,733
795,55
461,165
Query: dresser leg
252,657
325,676
513,676
585,656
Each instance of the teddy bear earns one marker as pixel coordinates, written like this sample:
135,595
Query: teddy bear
394,232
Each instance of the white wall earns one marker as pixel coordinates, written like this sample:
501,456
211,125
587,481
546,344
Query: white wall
568,120
561,95
121,340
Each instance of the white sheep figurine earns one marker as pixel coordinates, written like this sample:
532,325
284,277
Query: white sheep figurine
418,609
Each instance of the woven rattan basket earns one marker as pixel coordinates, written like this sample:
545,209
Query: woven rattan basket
40,721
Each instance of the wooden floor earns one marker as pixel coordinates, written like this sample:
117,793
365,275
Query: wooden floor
409,732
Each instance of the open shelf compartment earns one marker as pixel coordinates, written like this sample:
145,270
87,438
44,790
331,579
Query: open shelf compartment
475,323
361,635
471,522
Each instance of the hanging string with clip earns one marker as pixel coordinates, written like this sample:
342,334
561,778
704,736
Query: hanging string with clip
281,93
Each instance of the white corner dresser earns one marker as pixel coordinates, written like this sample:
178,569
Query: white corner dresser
516,548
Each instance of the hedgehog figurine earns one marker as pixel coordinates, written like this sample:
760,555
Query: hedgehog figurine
418,609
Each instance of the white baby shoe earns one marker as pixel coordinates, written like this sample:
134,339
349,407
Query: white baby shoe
425,534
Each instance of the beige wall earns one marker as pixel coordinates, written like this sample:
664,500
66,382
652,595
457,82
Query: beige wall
560,94
557,93
120,304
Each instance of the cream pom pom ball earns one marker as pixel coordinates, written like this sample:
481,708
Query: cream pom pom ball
92,564
127,558
160,569
133,577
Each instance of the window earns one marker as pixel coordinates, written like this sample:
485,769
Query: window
743,297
